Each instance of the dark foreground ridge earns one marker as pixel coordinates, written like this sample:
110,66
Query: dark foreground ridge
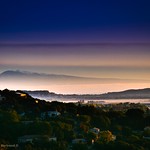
27,123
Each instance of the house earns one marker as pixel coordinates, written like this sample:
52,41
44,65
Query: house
50,114
31,138
2,97
146,133
147,128
22,114
27,122
95,130
113,138
145,137
22,94
79,141
26,138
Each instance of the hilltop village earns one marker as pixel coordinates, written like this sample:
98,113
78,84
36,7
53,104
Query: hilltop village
27,123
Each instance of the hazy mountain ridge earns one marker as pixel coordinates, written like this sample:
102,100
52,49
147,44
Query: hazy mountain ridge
127,94
61,79
17,73
56,82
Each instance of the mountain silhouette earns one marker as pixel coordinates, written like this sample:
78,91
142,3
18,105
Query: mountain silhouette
11,75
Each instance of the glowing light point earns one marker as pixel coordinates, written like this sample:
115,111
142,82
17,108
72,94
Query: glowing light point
36,101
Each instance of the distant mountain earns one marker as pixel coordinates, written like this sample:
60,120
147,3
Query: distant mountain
11,73
18,73
19,76
128,94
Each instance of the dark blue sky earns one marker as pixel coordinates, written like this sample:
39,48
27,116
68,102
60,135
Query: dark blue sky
74,21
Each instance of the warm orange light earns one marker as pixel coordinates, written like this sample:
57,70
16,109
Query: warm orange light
23,95
37,101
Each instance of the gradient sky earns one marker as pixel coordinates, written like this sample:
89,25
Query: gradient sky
74,21
90,38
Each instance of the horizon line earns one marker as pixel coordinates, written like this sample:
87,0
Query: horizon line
128,89
70,43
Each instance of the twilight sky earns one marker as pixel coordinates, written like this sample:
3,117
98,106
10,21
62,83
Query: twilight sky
74,21
91,38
